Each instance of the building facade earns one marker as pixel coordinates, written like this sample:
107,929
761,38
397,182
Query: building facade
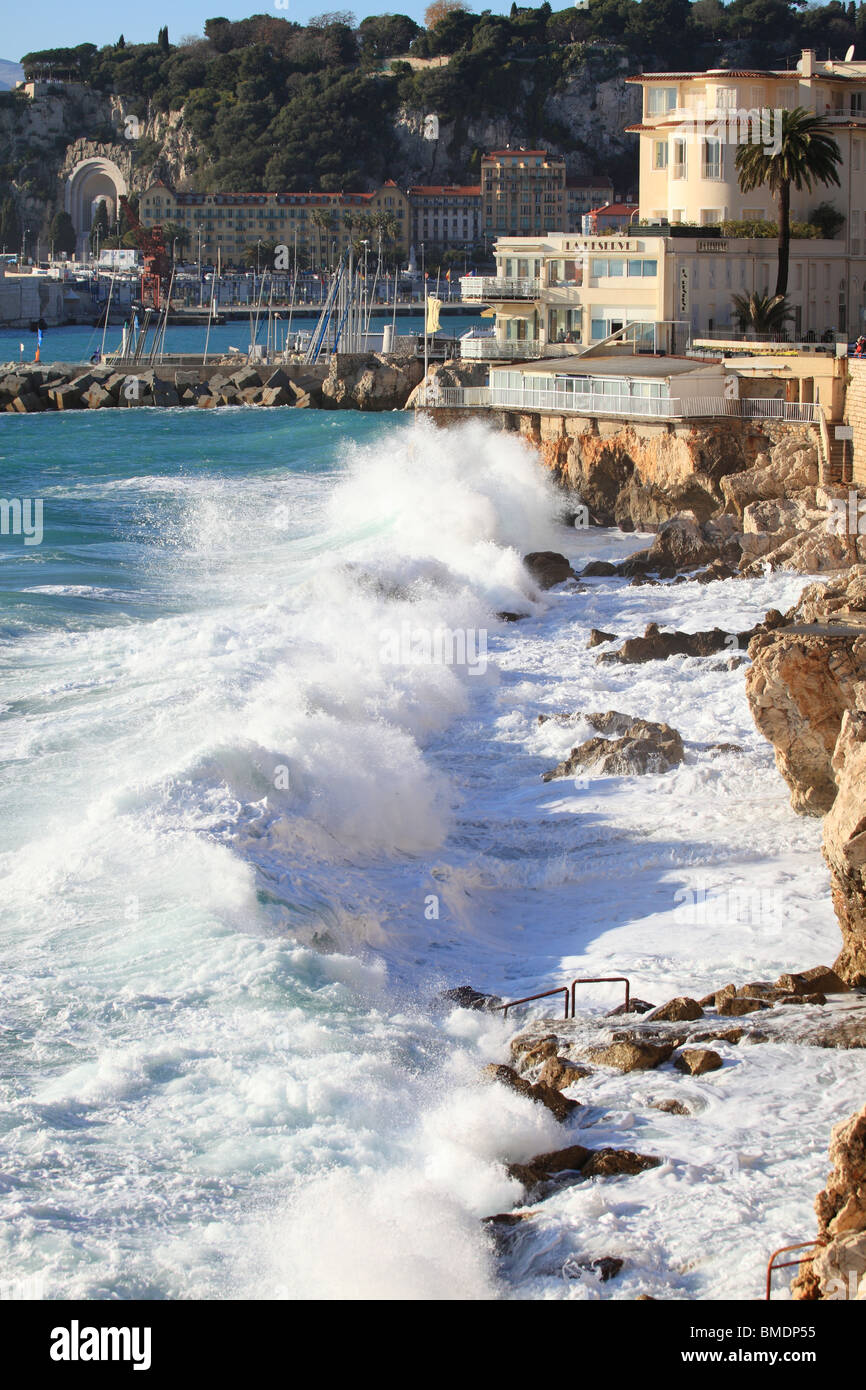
445,217
693,122
523,192
319,225
563,289
581,196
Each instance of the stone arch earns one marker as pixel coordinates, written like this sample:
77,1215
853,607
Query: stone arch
93,180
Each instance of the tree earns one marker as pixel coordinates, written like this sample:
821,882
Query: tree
323,221
439,9
61,234
99,226
162,39
175,232
121,42
806,154
10,225
760,313
828,219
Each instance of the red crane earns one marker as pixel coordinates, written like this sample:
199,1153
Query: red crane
157,266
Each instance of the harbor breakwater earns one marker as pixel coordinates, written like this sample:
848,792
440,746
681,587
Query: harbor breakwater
353,381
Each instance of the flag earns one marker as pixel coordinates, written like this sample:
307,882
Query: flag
433,307
448,276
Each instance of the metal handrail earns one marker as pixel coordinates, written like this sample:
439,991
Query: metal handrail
601,980
512,1003
569,991
788,1264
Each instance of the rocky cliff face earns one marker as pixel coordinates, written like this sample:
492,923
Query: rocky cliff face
807,691
838,1272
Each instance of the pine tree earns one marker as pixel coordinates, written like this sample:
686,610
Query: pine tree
99,226
121,42
61,234
10,225
162,39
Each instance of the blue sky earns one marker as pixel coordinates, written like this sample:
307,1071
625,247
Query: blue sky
55,25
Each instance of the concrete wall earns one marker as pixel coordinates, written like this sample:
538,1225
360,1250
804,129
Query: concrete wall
855,415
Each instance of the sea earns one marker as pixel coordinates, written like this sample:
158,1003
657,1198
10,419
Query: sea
271,781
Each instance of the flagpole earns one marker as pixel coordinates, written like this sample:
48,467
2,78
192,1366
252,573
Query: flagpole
426,312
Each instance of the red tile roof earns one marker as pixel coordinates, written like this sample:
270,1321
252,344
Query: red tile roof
467,191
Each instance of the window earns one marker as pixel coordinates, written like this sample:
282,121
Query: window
753,215
660,154
710,216
680,162
660,100
711,159
856,103
726,98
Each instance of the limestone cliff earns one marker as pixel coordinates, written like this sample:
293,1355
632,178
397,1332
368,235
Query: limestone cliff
838,1271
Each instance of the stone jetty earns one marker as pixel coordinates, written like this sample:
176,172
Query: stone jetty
349,381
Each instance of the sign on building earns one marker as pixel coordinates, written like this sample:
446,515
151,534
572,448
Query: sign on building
684,297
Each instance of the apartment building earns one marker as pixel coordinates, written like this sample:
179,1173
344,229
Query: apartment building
523,192
445,217
563,289
693,122
552,289
581,196
318,224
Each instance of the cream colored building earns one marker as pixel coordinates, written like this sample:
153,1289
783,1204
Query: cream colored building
693,122
232,222
679,280
573,291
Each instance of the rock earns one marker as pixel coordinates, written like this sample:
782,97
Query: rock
164,394
681,543
819,980
276,379
607,1267
671,1107
246,377
635,1006
738,1008
276,395
506,616
370,381
65,398
560,1106
465,997
656,645
25,403
597,637
845,850
627,1055
229,394
598,569
612,1163
588,1163
839,1270
548,568
559,1073
679,1010
206,401
97,398
731,1036
642,747
697,1060
544,1167
531,1051
793,465
251,395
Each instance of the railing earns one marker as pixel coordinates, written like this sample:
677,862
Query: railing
510,349
569,992
622,404
772,1266
498,287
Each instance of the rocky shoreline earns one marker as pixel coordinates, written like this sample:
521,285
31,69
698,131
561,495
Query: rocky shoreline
350,381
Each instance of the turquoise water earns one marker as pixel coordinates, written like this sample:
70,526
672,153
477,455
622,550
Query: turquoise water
76,344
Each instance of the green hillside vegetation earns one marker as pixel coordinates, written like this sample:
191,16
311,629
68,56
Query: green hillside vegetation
277,105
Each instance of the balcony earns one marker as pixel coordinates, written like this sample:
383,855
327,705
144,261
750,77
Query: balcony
494,349
530,398
493,287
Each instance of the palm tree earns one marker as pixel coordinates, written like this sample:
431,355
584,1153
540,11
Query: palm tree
323,221
807,154
762,313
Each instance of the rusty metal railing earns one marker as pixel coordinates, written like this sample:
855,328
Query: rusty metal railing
512,1003
772,1266
570,994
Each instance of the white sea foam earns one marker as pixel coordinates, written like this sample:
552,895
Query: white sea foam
245,852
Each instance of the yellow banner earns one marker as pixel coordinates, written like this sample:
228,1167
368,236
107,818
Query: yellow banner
433,307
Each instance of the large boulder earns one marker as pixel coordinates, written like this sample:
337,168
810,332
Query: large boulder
845,845
838,1271
639,746
548,568
791,465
